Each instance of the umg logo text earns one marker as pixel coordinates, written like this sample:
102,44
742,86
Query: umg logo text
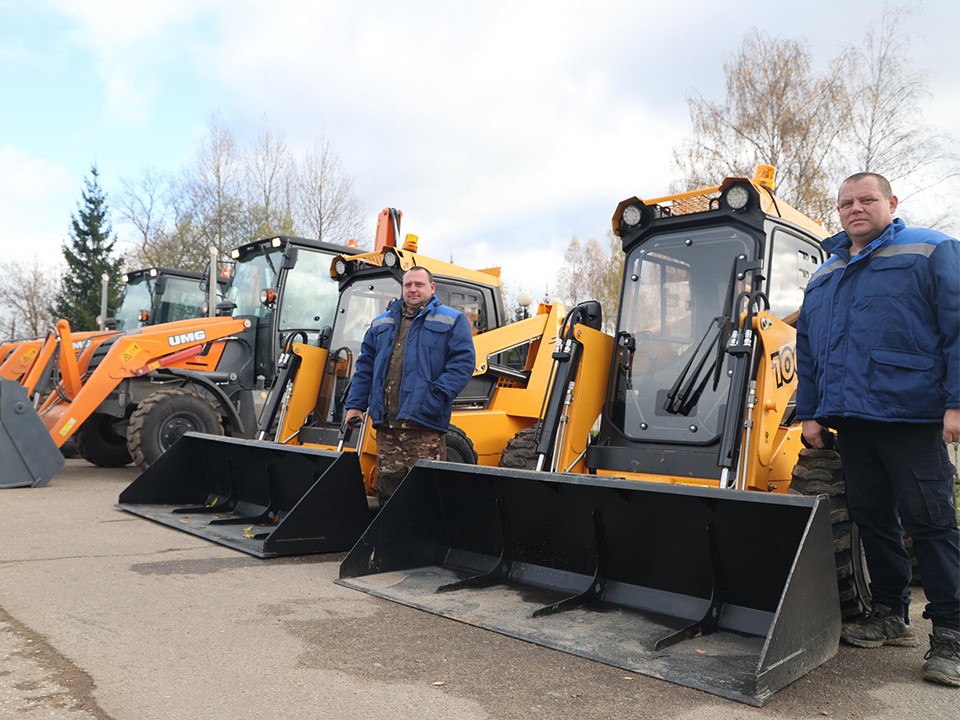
185,338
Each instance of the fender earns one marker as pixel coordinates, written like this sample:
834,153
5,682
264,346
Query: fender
226,404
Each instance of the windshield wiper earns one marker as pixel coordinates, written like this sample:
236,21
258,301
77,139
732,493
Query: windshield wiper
692,380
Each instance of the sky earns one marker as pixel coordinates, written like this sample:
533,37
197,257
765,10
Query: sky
500,129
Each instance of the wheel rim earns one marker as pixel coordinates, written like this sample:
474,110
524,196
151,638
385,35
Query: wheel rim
175,427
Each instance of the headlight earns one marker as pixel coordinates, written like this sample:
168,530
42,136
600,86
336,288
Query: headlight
340,267
390,259
276,242
737,196
154,272
631,215
234,254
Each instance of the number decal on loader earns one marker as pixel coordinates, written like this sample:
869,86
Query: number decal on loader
784,365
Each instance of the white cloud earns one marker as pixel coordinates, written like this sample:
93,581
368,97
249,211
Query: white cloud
500,130
30,188
130,42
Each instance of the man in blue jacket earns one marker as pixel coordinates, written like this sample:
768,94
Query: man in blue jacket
414,360
878,359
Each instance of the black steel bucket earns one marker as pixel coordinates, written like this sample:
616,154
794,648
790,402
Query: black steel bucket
729,592
28,455
261,498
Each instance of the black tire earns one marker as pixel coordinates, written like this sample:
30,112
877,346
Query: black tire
163,417
521,450
818,472
69,448
459,447
99,441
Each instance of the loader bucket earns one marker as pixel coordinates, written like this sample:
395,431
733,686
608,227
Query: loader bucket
729,592
261,498
28,455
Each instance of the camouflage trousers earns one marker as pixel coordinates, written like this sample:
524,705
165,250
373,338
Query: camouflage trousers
398,450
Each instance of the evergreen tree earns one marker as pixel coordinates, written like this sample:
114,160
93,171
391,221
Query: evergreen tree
88,256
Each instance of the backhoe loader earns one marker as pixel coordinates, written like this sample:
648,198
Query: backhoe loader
665,542
257,504
195,374
221,390
30,439
150,296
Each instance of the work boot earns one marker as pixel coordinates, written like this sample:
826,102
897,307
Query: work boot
881,626
943,658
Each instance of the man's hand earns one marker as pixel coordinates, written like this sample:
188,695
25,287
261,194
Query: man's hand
951,425
811,433
353,417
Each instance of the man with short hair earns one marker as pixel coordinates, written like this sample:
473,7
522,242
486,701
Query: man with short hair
414,360
878,359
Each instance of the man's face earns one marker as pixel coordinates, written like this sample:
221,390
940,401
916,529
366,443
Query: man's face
417,288
864,211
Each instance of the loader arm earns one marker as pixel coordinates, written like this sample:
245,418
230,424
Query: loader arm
39,365
18,361
134,355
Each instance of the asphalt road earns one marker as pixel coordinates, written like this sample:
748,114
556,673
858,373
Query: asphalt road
109,616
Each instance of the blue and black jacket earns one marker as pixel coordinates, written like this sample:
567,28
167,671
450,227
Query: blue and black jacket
438,362
877,336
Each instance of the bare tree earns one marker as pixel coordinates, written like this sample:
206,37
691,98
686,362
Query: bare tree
570,277
861,114
228,196
142,204
888,135
213,191
270,174
27,292
776,112
328,207
592,271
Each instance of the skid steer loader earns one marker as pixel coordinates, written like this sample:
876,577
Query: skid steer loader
666,543
200,486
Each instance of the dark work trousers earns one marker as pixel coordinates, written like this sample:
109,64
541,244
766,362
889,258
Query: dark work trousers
900,473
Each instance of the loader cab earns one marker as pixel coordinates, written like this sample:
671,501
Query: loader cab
283,283
136,298
368,283
690,275
158,295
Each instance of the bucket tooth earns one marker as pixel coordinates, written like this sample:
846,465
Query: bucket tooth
216,503
710,622
269,514
499,574
729,592
594,591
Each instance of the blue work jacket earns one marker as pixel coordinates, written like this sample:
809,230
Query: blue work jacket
877,336
438,362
